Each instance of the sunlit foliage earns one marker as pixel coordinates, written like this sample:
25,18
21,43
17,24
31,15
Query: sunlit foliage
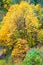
40,36
20,27
32,58
20,50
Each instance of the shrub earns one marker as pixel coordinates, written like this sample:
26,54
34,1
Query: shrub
40,36
19,22
32,58
20,50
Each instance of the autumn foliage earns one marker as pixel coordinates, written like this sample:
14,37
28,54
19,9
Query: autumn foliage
20,28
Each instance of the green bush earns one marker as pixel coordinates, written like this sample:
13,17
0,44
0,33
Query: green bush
32,58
